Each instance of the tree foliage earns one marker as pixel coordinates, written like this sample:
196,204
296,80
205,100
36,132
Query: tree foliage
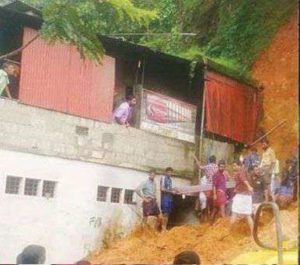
81,22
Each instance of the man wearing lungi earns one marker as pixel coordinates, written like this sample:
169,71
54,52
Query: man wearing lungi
166,196
267,165
242,201
147,191
219,189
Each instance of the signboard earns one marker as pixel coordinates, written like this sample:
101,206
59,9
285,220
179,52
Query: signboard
167,116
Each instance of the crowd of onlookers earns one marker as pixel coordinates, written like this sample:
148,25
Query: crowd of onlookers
257,179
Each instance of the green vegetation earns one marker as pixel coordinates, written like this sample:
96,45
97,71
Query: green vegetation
231,33
80,22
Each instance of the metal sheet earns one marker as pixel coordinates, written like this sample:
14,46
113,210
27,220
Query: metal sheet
57,78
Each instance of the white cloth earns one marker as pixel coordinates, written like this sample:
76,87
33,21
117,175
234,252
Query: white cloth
276,169
242,204
202,196
4,81
202,199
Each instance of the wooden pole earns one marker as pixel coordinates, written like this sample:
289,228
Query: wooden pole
269,132
203,113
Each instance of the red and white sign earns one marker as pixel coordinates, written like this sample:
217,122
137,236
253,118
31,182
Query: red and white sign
167,116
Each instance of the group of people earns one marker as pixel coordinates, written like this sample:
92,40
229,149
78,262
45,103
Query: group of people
147,191
257,179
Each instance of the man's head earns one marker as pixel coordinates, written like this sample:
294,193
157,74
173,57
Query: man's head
236,165
187,257
131,100
169,171
256,170
9,68
254,150
265,143
212,159
152,174
221,165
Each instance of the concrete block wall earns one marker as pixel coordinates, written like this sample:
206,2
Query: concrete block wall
39,131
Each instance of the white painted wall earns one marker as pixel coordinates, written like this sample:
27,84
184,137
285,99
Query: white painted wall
64,225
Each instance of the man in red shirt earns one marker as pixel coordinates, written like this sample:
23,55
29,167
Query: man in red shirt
219,189
242,201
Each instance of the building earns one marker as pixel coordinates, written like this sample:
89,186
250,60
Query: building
66,171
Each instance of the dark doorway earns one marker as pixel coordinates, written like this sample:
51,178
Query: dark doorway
183,212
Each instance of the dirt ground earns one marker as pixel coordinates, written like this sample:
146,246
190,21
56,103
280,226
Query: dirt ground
213,243
277,70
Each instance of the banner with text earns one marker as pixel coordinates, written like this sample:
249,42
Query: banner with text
167,116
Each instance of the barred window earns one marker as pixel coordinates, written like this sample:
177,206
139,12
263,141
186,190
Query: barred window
115,195
128,197
102,193
13,185
31,186
48,188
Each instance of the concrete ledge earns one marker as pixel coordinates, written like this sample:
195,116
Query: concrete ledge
35,130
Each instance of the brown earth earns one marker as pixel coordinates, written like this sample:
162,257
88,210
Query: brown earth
212,243
277,70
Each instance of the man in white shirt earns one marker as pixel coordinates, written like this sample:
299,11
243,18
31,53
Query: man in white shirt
8,69
267,165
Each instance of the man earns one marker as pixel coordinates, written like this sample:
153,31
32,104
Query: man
284,194
267,165
242,201
166,196
251,159
8,69
210,169
219,189
123,114
258,184
147,191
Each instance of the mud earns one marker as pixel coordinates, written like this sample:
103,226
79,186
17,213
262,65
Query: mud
213,243
277,70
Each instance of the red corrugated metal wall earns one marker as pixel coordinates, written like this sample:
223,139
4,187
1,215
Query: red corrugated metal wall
55,77
231,108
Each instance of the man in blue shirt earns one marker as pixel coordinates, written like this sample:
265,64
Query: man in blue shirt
166,196
251,160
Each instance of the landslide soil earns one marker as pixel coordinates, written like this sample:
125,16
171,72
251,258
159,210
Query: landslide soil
277,70
213,243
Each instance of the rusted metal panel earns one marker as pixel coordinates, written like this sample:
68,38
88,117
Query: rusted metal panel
55,77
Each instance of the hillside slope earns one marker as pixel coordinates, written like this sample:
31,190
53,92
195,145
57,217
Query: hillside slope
277,70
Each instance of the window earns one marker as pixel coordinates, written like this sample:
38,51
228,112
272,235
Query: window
48,188
12,185
128,197
102,193
115,195
31,187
